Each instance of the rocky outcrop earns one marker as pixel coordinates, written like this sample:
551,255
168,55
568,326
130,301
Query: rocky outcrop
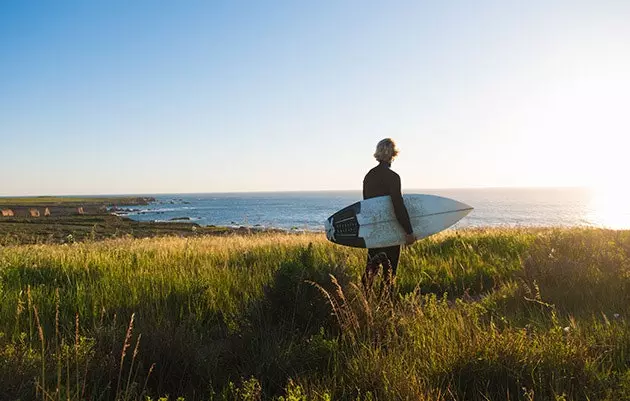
57,207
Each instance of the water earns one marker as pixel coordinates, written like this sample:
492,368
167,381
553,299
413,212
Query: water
308,210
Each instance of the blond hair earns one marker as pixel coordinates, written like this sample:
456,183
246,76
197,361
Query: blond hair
385,150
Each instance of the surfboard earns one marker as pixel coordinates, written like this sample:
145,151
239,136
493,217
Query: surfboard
372,223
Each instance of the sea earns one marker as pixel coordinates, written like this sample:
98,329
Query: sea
307,211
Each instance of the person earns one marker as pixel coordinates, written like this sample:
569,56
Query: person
381,181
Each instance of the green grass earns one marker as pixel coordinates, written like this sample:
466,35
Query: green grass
75,228
71,200
477,315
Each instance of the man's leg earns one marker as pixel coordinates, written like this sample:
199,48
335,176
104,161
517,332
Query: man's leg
388,257
393,254
389,269
375,257
372,252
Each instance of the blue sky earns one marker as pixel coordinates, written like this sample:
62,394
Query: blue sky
204,96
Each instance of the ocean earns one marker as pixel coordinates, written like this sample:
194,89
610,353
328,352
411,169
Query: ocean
493,207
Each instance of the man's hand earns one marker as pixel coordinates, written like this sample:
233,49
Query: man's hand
410,239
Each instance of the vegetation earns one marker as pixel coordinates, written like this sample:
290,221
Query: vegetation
68,222
477,315
68,229
73,201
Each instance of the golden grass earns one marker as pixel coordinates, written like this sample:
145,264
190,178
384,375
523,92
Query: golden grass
477,314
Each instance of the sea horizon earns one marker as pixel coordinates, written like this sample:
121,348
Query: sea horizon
307,210
404,191
546,206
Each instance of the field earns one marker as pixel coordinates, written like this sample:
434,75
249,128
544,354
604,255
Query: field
536,314
66,225
73,200
69,229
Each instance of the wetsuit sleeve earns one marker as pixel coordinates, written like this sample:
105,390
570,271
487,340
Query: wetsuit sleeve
399,206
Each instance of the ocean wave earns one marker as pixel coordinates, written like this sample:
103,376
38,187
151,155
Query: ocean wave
189,220
162,210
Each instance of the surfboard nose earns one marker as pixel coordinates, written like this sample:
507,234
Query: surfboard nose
462,209
463,206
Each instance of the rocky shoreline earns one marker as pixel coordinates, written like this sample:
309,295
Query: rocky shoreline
68,220
65,206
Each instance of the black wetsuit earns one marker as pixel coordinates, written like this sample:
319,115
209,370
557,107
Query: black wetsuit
381,181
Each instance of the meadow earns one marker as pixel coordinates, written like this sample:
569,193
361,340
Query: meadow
95,227
501,314
74,200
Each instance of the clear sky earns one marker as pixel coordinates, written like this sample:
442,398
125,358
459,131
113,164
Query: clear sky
206,96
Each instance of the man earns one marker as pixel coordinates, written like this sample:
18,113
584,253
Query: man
380,181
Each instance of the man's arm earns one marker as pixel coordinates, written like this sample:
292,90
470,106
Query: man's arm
399,206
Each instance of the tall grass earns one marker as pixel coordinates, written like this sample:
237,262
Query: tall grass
481,314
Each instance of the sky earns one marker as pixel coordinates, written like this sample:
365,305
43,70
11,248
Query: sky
119,97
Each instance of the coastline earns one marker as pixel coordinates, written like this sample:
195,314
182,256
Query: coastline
58,220
37,220
308,210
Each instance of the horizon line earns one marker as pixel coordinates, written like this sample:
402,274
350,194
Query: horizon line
584,187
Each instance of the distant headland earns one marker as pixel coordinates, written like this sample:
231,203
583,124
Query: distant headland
47,219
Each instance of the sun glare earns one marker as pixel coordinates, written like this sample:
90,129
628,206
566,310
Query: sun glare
610,206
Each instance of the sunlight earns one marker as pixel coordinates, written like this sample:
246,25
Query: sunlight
609,207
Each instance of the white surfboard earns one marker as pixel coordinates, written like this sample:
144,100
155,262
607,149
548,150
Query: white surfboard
372,223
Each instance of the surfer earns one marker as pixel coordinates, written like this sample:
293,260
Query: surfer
381,181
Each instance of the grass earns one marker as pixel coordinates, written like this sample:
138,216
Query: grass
76,228
535,314
72,200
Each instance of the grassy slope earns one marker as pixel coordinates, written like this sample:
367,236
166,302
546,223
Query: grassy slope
64,229
527,314
71,201
67,228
